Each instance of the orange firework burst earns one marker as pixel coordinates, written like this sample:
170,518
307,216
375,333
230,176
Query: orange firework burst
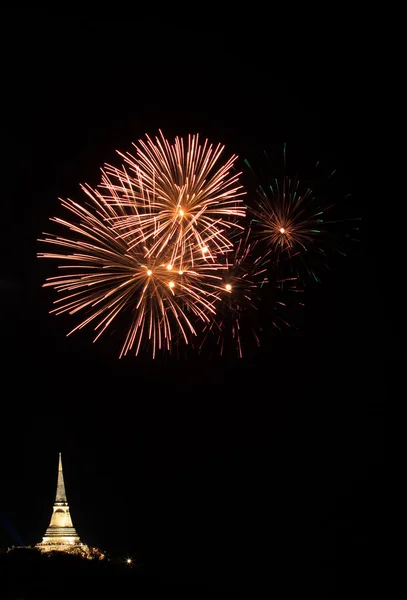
108,275
183,199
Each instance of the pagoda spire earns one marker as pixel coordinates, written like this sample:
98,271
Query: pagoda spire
61,494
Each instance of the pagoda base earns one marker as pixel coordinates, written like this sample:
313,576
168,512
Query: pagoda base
63,546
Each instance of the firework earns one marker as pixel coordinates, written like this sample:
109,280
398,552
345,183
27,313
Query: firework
184,199
108,276
243,277
165,248
291,223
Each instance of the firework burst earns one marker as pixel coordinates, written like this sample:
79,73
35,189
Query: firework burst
243,275
291,222
108,275
184,200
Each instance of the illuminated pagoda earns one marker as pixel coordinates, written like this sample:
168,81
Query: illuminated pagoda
61,534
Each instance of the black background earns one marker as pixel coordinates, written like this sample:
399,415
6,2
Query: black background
261,471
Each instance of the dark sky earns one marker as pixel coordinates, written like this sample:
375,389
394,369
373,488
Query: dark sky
207,468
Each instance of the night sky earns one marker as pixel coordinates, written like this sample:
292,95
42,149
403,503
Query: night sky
263,469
